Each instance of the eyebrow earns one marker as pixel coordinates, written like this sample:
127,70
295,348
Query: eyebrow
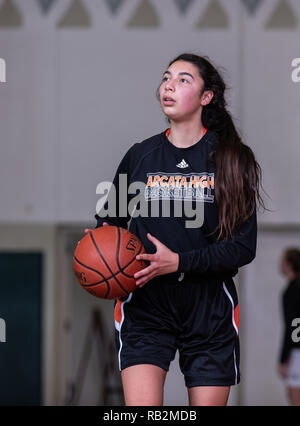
180,73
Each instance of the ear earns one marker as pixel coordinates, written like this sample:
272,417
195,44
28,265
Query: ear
207,97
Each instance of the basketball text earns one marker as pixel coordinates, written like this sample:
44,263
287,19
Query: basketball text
81,277
131,245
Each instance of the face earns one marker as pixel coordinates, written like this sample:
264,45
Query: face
181,90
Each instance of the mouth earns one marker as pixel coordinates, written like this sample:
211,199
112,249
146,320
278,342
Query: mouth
168,101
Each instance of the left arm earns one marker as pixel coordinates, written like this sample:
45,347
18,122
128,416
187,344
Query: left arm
223,257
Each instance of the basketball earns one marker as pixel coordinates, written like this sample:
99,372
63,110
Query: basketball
104,262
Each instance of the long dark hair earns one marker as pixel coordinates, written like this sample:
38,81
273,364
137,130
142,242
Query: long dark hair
292,257
238,175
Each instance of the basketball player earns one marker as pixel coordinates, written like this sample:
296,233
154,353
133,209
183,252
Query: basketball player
186,298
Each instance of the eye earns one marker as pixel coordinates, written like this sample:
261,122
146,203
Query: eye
184,79
164,78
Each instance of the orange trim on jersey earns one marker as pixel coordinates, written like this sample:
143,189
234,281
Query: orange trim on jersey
118,312
169,130
236,316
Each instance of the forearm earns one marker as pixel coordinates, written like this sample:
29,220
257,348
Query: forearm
215,258
225,256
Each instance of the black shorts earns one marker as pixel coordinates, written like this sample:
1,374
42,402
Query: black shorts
198,319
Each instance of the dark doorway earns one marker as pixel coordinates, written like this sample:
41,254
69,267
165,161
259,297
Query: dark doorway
20,308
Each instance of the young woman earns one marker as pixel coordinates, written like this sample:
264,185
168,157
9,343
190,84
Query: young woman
289,362
186,298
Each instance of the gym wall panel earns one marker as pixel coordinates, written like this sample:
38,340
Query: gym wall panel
28,167
271,103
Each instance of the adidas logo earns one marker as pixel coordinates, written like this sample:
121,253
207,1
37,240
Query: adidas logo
183,164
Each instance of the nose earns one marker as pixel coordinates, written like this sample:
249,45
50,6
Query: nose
169,85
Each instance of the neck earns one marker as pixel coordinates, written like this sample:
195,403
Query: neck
183,135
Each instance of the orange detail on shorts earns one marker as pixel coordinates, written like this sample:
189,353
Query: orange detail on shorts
168,131
236,316
118,312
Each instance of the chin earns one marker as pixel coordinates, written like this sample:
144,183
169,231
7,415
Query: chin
171,116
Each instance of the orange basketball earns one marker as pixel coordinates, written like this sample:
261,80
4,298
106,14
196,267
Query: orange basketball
104,261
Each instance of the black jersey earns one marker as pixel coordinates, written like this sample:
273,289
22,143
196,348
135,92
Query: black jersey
169,172
290,311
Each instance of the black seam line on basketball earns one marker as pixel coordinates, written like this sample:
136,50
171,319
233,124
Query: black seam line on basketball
132,260
100,254
91,269
124,273
108,291
94,270
111,276
107,282
121,271
118,250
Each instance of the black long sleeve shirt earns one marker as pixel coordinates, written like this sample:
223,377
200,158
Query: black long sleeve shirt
290,311
168,171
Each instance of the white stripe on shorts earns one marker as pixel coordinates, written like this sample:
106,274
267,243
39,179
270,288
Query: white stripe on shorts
235,327
120,328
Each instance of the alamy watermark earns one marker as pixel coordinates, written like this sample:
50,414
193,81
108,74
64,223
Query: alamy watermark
2,331
2,71
187,192
296,332
296,72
